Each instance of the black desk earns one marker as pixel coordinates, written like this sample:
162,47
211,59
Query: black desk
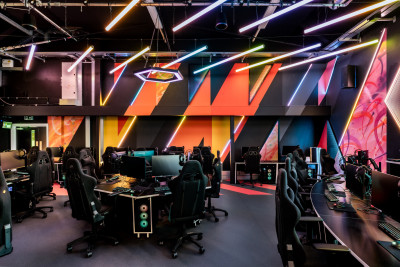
358,231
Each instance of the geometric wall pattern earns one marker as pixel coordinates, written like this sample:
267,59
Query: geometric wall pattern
62,129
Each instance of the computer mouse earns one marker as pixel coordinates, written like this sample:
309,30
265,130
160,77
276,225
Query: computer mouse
396,244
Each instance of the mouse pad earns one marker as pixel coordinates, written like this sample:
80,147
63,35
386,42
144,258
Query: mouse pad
388,246
344,208
339,194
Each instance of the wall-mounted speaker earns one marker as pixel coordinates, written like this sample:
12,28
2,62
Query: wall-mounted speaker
349,77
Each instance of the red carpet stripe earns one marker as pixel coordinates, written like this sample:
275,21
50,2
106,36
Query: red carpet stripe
242,190
59,191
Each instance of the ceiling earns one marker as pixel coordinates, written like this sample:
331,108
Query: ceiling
86,22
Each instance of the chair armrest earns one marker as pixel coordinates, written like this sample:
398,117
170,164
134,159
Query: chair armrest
330,247
310,219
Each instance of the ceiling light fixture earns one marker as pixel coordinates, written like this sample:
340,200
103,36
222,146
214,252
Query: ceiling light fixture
130,59
329,54
279,57
229,59
185,57
28,63
123,13
274,15
198,15
80,58
146,75
350,15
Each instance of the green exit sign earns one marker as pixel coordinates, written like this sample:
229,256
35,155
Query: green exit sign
28,118
7,124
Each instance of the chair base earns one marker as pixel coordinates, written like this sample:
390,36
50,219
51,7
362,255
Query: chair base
32,211
91,237
5,251
52,195
211,210
66,203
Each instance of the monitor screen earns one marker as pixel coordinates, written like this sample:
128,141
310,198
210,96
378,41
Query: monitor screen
144,154
385,193
288,149
354,181
10,160
166,165
133,167
57,151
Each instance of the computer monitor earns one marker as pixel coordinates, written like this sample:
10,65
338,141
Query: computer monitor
355,180
144,154
166,165
57,151
133,167
11,160
288,149
386,194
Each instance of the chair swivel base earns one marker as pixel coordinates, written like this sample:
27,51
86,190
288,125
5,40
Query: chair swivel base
185,237
5,251
211,210
52,195
31,211
91,238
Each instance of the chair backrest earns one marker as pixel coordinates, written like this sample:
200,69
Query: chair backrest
294,185
41,174
88,162
68,154
217,176
252,161
32,155
188,193
111,161
5,208
196,155
327,163
208,159
84,203
50,154
287,217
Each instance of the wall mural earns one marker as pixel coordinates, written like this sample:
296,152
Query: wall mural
62,129
367,129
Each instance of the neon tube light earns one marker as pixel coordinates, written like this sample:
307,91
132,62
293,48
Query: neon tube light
234,132
350,15
28,63
392,88
198,15
185,57
226,146
274,15
298,87
112,88
127,131
229,59
130,60
80,58
329,54
279,57
120,15
240,122
362,87
176,131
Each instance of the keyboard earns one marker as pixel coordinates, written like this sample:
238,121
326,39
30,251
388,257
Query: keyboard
331,188
120,190
331,197
161,189
390,230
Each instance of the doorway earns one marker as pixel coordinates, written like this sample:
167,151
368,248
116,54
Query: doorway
25,136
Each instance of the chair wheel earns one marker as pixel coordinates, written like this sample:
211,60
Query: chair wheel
116,243
199,236
69,249
201,250
161,243
216,220
51,210
19,220
174,255
89,254
65,204
226,213
44,216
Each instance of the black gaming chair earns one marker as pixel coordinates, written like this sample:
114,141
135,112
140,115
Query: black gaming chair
292,183
32,155
327,163
111,161
88,162
287,217
41,183
85,205
5,217
196,155
188,192
215,188
68,153
302,171
208,159
252,162
53,169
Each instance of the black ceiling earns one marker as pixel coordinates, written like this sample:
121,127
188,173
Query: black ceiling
134,32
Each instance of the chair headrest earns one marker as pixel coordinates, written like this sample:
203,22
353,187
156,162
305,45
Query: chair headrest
190,167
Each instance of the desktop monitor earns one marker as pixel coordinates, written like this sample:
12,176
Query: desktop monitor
148,154
11,160
57,151
166,165
288,149
386,194
355,180
133,167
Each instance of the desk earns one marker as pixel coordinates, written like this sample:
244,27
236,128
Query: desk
395,164
358,231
